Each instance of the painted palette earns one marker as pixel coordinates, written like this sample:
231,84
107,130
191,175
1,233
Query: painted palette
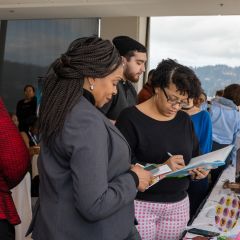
227,212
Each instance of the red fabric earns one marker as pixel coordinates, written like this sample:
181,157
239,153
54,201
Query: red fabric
14,163
145,93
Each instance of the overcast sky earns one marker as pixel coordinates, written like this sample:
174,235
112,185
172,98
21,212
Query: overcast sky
196,41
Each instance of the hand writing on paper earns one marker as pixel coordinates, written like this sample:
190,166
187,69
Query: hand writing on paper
199,173
175,162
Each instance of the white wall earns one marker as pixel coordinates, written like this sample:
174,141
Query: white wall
135,27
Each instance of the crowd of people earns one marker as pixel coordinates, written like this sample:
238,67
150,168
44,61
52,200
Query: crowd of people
94,133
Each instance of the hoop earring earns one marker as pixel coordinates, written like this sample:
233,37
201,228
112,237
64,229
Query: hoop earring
91,87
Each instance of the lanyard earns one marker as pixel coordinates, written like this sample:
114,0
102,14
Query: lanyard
33,138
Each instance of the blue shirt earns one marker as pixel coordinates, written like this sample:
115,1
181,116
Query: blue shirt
203,129
204,106
225,123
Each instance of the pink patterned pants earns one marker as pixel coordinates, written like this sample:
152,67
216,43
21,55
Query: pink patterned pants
161,221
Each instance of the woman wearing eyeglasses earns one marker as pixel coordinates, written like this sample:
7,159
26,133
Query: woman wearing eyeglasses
154,129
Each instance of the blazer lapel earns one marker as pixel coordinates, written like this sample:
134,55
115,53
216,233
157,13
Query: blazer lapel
110,125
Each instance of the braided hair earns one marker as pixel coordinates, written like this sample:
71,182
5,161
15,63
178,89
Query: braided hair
63,84
169,71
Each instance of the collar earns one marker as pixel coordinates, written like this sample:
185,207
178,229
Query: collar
225,102
88,95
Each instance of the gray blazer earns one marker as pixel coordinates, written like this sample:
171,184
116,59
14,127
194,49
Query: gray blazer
86,191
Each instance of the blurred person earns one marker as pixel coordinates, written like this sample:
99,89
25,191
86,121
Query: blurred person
201,121
14,163
87,183
23,134
34,150
134,56
31,138
21,194
225,119
202,102
153,129
198,190
33,133
14,119
219,93
26,108
147,91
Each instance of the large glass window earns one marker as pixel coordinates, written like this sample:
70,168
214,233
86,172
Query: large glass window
30,47
208,44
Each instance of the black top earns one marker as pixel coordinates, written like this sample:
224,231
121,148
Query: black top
150,140
125,97
88,95
26,113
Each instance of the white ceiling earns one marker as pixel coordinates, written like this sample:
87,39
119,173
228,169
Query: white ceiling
38,9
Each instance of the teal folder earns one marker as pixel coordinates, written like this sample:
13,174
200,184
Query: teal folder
208,161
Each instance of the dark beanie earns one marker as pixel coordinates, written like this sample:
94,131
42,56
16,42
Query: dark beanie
125,44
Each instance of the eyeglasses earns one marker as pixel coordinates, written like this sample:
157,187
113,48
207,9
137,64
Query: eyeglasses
174,100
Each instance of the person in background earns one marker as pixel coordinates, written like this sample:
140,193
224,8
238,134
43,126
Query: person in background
26,108
33,133
21,194
154,129
147,90
134,56
14,163
87,183
34,149
23,134
202,102
219,93
225,117
31,138
198,190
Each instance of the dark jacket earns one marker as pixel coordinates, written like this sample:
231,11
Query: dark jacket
125,97
86,190
26,113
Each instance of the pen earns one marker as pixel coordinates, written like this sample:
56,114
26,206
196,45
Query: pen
183,235
169,154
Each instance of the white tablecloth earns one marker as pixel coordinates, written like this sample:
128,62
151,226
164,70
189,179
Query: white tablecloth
206,221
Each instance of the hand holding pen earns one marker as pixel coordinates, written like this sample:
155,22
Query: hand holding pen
175,162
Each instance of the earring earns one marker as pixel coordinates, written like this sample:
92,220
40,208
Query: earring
91,87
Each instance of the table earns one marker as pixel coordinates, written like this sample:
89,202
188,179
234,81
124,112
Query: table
206,221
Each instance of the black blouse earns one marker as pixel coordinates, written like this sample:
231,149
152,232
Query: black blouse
150,140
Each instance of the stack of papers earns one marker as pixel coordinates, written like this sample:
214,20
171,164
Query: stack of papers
157,170
208,161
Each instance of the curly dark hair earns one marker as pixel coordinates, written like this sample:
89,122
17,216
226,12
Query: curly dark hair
232,92
63,84
28,86
169,71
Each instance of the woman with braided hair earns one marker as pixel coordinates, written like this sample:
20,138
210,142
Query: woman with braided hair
87,184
